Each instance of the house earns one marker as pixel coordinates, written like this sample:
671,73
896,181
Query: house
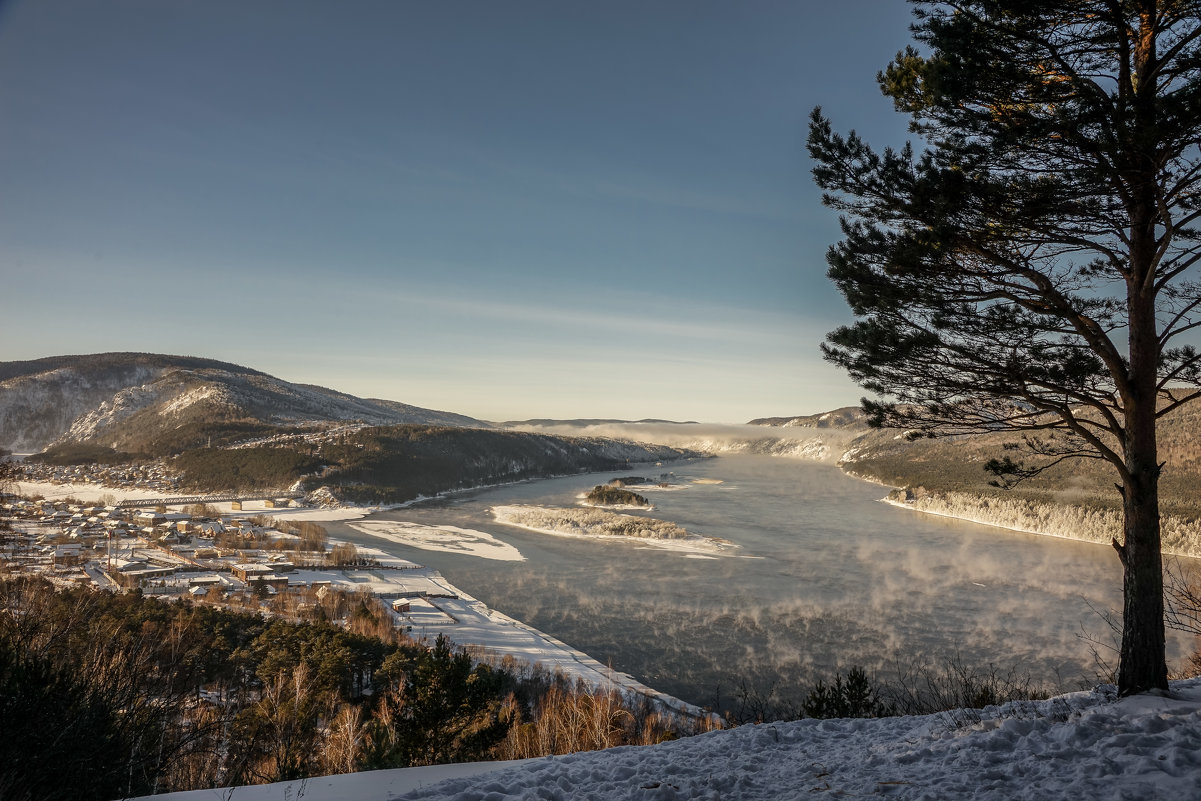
249,571
211,528
148,519
145,570
66,554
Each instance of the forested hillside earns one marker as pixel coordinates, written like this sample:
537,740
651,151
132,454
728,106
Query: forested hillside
393,464
957,463
109,696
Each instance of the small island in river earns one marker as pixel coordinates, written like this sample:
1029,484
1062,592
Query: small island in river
605,525
609,495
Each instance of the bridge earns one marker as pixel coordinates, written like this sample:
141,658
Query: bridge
180,500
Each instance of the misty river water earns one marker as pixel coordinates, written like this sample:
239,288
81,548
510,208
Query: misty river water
827,577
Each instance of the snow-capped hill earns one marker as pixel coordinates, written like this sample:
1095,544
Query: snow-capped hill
816,449
848,418
123,405
617,450
184,400
37,409
126,400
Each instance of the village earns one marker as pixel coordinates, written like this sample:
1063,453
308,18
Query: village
250,561
267,555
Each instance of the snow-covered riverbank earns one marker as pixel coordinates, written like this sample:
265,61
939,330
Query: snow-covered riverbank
1181,537
490,635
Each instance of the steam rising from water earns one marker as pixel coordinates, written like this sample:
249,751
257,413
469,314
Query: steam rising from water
845,580
819,445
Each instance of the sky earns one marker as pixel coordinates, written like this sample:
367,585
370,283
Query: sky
503,209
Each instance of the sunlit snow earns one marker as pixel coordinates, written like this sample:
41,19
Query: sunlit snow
1085,745
449,539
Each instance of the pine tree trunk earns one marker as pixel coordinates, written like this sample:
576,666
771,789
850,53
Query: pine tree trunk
1143,662
1143,665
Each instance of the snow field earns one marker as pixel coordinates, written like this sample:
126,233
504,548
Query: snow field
1077,747
450,539
1080,746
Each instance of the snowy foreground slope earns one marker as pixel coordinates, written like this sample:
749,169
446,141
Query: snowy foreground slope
1078,746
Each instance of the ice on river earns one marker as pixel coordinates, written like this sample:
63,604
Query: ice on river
450,539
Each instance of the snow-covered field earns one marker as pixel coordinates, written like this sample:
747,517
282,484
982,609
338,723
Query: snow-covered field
1078,747
86,492
450,539
90,492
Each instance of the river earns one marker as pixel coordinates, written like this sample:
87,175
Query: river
826,577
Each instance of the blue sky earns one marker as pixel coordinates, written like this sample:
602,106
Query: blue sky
503,209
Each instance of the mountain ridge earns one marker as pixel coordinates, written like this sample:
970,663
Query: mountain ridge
129,401
585,422
848,417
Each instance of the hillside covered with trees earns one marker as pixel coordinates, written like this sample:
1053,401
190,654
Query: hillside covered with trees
957,463
109,695
392,464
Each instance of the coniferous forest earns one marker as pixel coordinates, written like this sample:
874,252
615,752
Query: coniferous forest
109,695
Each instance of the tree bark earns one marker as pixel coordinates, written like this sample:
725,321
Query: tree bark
1143,663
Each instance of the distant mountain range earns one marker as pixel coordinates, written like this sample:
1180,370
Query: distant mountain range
848,417
585,422
135,401
221,427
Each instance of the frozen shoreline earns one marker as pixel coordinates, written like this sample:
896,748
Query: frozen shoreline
1097,526
1180,537
490,635
908,505
447,539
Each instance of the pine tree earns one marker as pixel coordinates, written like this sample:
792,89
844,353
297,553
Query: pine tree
1030,268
